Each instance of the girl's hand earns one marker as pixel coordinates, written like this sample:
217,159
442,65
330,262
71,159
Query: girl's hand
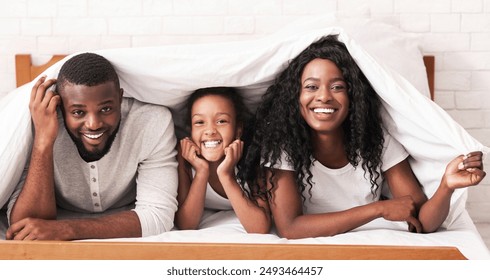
42,105
402,209
233,153
191,153
464,171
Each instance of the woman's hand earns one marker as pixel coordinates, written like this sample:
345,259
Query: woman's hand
402,209
465,170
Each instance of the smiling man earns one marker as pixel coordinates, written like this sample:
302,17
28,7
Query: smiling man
102,165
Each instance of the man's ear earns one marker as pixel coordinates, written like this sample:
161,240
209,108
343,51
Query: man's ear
121,92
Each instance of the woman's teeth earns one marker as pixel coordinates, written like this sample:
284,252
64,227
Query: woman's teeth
323,110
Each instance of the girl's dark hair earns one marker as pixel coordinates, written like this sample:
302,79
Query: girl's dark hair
88,69
243,115
280,128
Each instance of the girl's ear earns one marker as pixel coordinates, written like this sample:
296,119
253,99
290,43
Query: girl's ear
239,130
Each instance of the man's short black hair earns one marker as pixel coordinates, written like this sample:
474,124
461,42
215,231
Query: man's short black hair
88,69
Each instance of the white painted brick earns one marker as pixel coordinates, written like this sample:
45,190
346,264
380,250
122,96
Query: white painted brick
45,8
486,6
36,26
53,45
83,43
306,7
467,60
13,8
157,7
255,7
468,118
422,6
9,26
486,101
475,22
177,25
208,25
115,8
135,26
467,6
468,100
200,8
445,23
452,80
239,25
271,24
445,99
415,22
353,8
480,41
479,194
79,26
443,42
481,134
477,209
480,80
112,42
381,6
72,8
13,45
7,83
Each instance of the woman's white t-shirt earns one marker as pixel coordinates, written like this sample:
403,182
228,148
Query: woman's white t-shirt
347,187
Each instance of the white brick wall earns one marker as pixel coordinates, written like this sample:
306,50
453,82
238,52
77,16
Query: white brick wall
457,32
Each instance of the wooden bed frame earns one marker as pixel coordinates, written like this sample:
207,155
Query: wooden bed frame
55,250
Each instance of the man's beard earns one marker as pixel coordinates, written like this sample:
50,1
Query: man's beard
88,156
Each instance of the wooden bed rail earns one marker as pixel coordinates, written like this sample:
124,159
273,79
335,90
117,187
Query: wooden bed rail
55,250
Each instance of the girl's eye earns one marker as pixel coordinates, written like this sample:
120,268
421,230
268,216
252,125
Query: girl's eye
222,121
338,87
199,122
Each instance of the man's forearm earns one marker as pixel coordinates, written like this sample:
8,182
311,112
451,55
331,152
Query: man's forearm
37,198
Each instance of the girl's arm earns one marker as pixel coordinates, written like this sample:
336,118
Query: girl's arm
255,218
191,191
287,210
461,172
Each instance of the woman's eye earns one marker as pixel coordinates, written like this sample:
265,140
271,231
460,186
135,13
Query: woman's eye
338,87
311,87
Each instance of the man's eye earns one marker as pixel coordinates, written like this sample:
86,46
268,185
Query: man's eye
106,109
77,113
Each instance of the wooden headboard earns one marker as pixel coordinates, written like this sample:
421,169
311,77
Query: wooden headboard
25,71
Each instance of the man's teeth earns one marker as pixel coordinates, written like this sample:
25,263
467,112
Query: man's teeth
211,144
323,110
93,136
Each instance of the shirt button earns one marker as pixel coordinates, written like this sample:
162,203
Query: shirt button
94,194
94,180
96,205
92,166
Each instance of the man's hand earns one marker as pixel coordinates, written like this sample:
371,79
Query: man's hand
42,105
39,229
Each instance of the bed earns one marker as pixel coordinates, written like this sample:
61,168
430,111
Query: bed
411,117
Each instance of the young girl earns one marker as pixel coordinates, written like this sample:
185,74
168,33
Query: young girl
323,153
207,162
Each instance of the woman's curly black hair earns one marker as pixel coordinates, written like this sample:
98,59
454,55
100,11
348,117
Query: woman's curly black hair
280,127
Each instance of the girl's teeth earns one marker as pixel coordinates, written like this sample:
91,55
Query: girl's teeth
211,144
323,110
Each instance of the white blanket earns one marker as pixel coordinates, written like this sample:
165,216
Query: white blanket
166,75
